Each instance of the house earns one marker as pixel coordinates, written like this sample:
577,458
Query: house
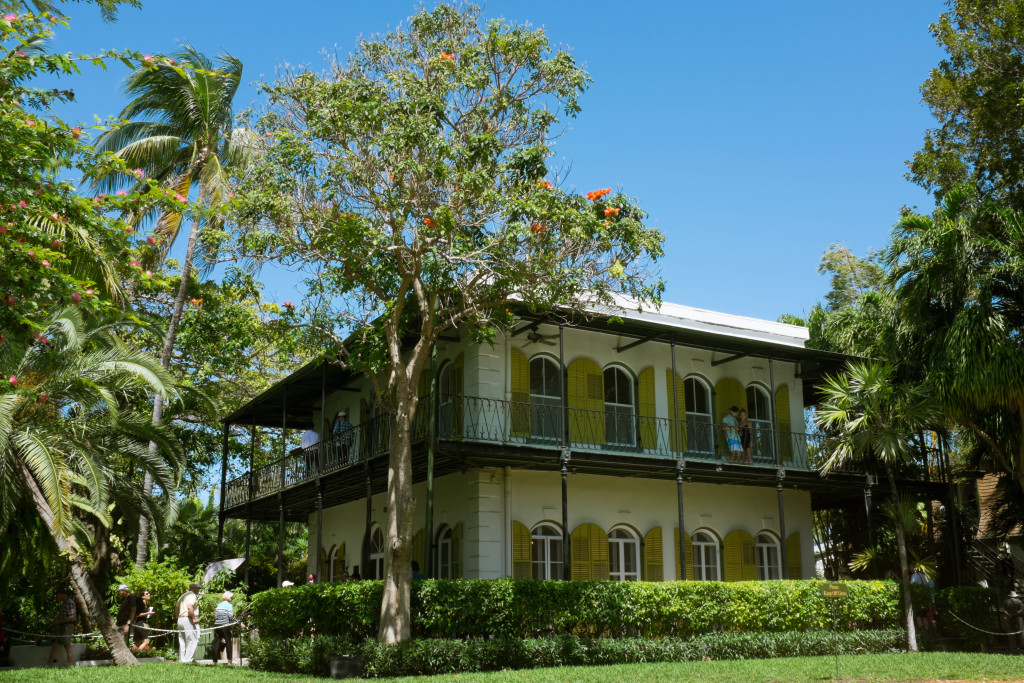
568,450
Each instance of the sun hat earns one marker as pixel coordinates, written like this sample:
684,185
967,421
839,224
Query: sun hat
123,587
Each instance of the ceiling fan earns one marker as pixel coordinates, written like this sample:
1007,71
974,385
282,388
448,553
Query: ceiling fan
535,336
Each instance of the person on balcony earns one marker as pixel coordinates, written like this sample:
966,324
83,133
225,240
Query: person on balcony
341,430
730,426
310,438
746,437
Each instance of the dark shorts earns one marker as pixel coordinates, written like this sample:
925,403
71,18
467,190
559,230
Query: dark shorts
64,632
140,632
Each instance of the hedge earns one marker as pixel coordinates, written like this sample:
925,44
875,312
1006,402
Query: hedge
516,609
443,655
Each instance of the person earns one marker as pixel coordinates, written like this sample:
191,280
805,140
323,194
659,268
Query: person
128,609
187,611
343,577
141,633
746,437
311,579
1013,608
732,435
416,571
923,616
64,625
355,574
223,617
310,438
341,430
5,645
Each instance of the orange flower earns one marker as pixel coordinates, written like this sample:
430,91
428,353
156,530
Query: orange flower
429,222
448,55
537,227
594,195
546,184
611,211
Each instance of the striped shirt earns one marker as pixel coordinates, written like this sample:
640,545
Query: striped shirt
224,614
67,609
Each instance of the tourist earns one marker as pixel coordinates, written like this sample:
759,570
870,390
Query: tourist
128,609
746,437
732,436
64,625
187,610
416,575
223,618
141,632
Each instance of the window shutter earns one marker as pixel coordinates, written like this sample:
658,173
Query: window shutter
458,403
522,551
457,551
417,550
739,557
323,565
586,402
794,563
677,444
364,433
654,560
520,395
589,545
689,557
728,392
785,422
646,409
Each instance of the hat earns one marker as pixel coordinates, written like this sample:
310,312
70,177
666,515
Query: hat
123,587
1013,594
194,586
61,590
311,576
287,584
342,413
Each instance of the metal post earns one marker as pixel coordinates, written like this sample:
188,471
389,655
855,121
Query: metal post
248,504
319,527
280,538
781,474
432,406
775,416
869,509
680,466
321,450
369,522
223,490
677,446
280,493
566,565
319,472
284,433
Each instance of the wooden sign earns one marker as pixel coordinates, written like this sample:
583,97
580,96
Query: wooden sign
834,590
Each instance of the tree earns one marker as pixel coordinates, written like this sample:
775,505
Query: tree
63,428
975,94
410,183
868,416
108,8
180,132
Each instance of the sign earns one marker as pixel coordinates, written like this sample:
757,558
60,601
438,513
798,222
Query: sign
834,590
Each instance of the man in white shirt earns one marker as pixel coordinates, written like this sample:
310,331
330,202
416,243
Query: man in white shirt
188,623
309,438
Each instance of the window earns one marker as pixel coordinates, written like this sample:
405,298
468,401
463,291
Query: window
336,567
705,557
376,568
444,553
623,555
618,407
545,398
546,544
698,416
759,413
768,566
445,412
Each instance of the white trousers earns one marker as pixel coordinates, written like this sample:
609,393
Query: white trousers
188,639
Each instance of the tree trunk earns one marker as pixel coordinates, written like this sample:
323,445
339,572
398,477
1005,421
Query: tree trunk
142,547
83,607
79,575
395,610
901,541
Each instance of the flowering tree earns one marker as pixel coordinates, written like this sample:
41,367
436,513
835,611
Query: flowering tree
411,183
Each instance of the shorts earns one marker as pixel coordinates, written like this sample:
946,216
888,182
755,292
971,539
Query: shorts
140,632
64,632
734,443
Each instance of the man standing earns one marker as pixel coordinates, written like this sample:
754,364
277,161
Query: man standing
188,623
341,430
65,626
129,608
1013,608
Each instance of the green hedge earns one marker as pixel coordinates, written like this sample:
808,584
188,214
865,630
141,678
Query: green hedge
517,609
975,605
445,656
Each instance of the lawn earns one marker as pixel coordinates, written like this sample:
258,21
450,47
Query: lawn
891,667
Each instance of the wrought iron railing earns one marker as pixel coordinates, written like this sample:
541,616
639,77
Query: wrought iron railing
493,421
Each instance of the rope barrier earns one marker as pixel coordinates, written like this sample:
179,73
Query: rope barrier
991,633
209,629
160,631
52,635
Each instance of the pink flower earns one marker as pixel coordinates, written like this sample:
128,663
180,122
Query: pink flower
135,264
76,132
149,273
177,195
19,53
147,58
88,292
13,380
3,230
129,229
31,253
138,173
46,264
151,240
22,204
10,17
121,193
42,397
231,195
30,123
76,297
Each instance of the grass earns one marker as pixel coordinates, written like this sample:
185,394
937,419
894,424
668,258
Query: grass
889,667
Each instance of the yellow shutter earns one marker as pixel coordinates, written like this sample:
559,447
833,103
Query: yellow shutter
458,391
457,551
646,402
522,551
654,559
677,444
589,545
785,421
520,395
586,402
417,550
794,563
728,392
689,557
740,558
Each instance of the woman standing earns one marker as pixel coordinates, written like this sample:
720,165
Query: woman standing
141,634
223,616
746,437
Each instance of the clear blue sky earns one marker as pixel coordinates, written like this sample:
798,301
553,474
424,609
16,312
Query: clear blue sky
755,134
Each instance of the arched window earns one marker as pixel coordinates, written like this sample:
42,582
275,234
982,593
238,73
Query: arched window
623,555
545,398
759,412
336,564
618,407
698,416
444,552
546,550
706,557
768,566
376,568
445,402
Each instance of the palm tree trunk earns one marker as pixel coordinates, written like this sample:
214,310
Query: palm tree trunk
142,544
901,541
79,574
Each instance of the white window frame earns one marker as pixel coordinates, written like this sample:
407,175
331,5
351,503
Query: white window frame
376,553
706,544
622,541
544,408
544,537
764,544
444,552
699,426
332,559
619,410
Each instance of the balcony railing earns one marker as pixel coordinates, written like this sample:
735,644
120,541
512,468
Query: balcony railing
492,421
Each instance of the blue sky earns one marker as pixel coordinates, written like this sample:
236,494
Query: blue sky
755,134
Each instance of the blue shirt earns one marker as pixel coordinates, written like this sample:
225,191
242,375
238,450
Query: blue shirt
224,614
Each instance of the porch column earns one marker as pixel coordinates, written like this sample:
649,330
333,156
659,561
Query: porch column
566,564
223,490
248,504
564,412
775,417
869,516
781,474
280,538
432,418
680,466
369,522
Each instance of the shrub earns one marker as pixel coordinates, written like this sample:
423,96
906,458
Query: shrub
975,605
517,609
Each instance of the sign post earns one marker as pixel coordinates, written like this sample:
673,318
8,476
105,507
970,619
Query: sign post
833,592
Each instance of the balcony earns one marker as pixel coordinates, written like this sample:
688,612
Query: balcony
469,420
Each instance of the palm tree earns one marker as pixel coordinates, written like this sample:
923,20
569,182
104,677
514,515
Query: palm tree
64,431
869,416
180,132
